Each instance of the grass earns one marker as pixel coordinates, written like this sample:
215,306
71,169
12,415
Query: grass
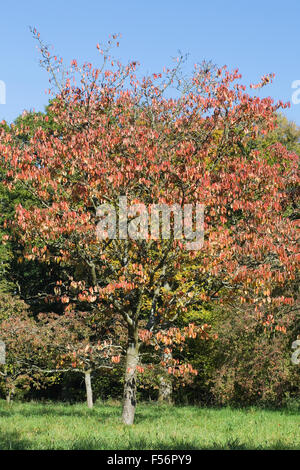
157,427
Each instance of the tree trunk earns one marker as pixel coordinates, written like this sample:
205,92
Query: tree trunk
88,387
165,390
10,390
165,382
132,358
8,398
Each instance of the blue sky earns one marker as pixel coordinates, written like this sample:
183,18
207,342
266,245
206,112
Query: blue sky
258,37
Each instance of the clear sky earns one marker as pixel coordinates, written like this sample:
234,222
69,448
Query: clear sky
257,36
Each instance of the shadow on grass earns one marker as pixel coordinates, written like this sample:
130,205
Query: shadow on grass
67,411
107,411
103,411
142,444
131,441
13,441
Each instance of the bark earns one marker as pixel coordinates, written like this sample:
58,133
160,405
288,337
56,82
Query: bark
88,387
165,390
132,358
9,388
9,395
165,383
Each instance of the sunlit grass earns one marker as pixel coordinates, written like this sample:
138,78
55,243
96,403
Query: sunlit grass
62,426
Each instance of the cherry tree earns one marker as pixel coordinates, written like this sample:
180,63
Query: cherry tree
121,140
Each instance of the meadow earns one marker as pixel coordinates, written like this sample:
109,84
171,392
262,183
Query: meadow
53,426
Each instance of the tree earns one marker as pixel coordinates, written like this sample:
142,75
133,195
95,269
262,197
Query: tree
164,358
286,132
79,343
25,358
120,137
252,357
30,279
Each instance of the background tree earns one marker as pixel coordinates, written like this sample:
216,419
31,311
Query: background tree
79,343
163,358
25,350
253,359
286,133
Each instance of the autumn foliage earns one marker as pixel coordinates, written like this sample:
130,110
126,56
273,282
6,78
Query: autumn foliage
119,135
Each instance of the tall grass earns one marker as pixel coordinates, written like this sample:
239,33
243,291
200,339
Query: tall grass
61,426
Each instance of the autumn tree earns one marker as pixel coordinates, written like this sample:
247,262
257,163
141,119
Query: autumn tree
285,132
25,351
121,140
163,358
32,280
252,356
80,343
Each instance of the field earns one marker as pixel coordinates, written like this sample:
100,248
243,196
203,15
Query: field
61,426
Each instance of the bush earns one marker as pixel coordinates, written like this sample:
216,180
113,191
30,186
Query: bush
253,361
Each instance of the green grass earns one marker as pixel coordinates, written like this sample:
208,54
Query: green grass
61,426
